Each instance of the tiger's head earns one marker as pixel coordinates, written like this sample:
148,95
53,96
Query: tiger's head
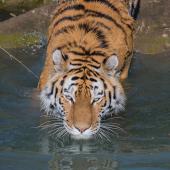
83,95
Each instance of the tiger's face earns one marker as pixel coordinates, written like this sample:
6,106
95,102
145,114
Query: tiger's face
82,96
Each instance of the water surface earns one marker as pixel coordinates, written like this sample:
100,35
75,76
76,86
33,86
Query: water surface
147,121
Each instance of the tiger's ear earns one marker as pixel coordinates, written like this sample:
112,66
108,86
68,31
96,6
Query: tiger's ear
59,60
57,57
111,63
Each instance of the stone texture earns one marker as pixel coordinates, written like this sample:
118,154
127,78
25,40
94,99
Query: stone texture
152,27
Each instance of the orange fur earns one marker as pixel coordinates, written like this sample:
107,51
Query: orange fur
87,33
120,40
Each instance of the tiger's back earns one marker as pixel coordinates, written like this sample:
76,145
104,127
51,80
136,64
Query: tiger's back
89,50
90,29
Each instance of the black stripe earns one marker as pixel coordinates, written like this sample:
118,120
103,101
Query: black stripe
73,44
105,103
96,87
114,91
51,106
96,67
105,2
65,57
92,79
95,61
72,84
75,64
81,60
62,82
110,98
93,102
75,70
101,37
84,77
65,29
95,73
102,25
100,93
101,15
99,34
56,91
74,7
88,73
105,85
68,18
92,72
86,27
61,47
52,89
60,101
78,71
79,53
71,100
82,48
109,5
65,76
98,53
65,90
87,53
75,78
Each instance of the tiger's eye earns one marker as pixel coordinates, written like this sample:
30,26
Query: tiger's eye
69,98
96,99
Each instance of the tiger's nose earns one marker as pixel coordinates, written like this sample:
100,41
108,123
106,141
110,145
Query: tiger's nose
81,129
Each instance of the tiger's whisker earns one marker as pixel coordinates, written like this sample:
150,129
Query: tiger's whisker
61,133
117,128
52,117
50,126
55,131
105,136
110,131
50,122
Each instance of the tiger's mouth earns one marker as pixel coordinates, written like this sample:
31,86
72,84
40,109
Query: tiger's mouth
61,125
104,130
78,133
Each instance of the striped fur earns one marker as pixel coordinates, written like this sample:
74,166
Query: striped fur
80,80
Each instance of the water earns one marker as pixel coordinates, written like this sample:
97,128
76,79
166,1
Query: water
147,121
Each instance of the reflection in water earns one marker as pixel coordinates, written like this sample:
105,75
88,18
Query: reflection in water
84,162
85,155
147,145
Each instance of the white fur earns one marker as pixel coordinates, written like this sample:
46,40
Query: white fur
76,134
57,57
112,62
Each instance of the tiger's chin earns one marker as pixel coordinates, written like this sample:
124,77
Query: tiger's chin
77,134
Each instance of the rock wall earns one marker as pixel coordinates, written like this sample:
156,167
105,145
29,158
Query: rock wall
152,27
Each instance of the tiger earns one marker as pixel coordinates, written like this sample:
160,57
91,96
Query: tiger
88,55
